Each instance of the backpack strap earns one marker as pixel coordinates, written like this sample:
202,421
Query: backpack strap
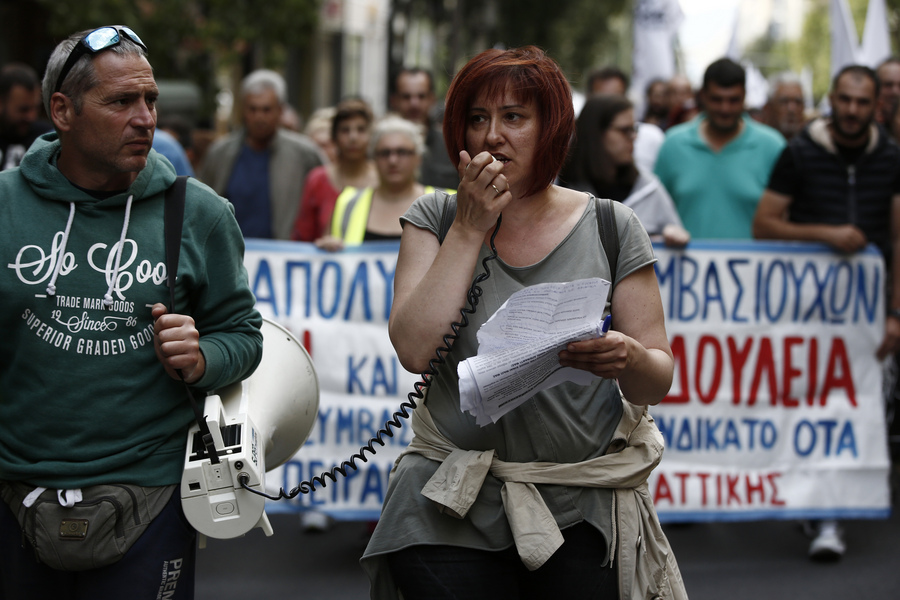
609,233
173,222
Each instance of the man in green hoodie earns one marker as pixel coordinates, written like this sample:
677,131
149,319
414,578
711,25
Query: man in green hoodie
89,352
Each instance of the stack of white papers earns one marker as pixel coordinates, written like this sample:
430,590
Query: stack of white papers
519,346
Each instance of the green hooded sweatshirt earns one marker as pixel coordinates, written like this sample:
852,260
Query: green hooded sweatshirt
83,398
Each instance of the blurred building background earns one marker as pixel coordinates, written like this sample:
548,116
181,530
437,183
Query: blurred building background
329,49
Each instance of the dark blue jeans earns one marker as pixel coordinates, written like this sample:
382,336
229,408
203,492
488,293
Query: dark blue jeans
449,572
159,565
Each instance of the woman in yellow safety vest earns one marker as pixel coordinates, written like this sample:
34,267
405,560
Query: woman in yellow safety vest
373,213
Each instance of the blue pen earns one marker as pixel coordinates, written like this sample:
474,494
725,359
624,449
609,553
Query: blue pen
607,322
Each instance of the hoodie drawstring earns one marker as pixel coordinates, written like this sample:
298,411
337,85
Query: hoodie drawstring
51,289
108,299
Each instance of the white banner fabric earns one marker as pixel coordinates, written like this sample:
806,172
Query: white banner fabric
775,410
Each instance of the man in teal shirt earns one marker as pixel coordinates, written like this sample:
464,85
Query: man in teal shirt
716,166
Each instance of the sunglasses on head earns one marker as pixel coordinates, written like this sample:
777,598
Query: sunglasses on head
94,42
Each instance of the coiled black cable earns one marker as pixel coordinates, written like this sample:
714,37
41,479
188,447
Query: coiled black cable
419,388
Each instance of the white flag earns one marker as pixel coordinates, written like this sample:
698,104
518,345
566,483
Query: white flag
757,87
734,49
656,23
844,41
876,42
845,48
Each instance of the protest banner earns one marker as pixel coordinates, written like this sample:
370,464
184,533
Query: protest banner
337,305
775,410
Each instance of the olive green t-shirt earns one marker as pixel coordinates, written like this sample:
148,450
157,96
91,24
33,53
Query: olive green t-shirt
565,424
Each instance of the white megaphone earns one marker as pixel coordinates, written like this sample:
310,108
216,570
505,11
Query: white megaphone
256,424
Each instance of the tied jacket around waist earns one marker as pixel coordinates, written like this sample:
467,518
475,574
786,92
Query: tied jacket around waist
647,566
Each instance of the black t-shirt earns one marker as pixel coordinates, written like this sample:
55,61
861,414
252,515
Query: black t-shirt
100,194
13,148
850,154
371,236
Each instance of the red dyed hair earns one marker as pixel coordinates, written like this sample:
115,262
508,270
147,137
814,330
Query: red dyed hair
529,75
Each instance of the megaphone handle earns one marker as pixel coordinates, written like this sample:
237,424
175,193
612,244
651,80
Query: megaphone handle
205,435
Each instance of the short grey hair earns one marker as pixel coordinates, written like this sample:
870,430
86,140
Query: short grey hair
783,78
395,124
81,78
264,79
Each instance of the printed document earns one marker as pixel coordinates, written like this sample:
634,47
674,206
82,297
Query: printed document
519,346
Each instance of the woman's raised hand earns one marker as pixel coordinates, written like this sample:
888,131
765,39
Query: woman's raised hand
483,191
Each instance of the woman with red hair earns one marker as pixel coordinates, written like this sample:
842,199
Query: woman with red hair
522,507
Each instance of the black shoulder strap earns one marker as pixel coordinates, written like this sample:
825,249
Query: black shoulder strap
174,219
609,233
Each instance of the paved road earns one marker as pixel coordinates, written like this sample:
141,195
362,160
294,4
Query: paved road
719,561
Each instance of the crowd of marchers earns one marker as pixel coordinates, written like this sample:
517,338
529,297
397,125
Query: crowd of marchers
694,164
